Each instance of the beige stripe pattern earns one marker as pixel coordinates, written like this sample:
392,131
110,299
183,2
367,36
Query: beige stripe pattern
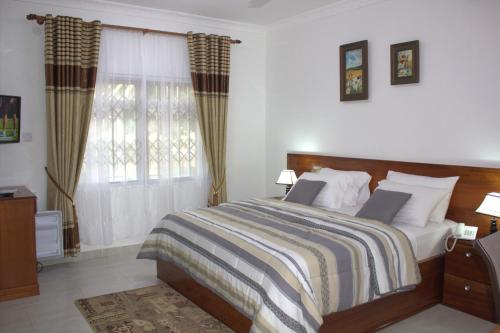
209,57
71,56
286,265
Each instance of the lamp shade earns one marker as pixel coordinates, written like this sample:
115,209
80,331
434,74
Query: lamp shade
490,205
287,177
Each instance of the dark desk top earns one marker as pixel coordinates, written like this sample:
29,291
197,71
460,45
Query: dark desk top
22,192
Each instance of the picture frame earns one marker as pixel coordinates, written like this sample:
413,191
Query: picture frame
405,63
10,119
354,71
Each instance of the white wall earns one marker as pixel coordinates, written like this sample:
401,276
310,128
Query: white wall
285,94
452,116
22,73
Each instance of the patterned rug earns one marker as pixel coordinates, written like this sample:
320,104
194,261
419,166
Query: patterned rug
155,309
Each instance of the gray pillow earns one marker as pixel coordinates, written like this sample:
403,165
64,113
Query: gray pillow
305,191
383,205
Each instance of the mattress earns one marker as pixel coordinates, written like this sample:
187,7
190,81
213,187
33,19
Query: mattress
427,242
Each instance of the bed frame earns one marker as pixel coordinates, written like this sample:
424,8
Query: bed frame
469,192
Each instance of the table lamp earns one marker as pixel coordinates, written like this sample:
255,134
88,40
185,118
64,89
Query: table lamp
491,207
288,178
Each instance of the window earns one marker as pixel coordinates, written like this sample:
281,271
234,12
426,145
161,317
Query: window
145,138
181,148
123,131
144,156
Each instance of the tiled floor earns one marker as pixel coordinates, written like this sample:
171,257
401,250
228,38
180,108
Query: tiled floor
53,311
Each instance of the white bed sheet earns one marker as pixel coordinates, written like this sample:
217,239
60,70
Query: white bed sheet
427,242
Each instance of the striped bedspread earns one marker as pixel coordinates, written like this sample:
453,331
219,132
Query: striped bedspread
285,265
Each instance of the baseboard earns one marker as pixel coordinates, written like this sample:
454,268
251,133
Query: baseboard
19,292
86,255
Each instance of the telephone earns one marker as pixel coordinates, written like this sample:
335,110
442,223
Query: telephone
461,232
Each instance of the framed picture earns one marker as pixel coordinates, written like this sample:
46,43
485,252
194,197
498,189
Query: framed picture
354,71
405,65
10,118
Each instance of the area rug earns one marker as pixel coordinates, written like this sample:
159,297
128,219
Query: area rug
155,309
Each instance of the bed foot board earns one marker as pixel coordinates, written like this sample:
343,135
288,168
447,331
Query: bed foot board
363,318
201,296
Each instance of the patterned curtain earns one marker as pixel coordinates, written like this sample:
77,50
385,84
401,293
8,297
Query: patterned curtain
71,55
209,58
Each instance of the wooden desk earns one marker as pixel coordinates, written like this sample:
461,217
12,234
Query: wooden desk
466,281
18,271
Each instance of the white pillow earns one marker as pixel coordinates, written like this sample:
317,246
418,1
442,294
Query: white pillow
338,191
418,209
361,181
364,194
439,213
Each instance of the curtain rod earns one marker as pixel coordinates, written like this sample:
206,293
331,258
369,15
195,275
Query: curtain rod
41,19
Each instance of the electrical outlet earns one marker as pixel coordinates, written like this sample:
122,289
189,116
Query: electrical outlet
27,137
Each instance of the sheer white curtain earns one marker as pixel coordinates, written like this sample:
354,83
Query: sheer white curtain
144,155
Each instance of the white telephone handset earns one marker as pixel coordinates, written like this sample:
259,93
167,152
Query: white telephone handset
461,232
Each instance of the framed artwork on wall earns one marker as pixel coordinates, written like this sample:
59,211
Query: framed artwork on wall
10,118
405,63
354,71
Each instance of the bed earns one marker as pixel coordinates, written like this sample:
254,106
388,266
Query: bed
414,290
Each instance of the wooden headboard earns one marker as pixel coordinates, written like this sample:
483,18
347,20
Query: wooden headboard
469,192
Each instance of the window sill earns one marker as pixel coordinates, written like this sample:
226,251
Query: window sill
151,181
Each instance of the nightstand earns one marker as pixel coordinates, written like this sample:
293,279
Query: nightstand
466,282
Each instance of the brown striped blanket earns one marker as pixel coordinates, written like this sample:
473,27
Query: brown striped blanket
285,265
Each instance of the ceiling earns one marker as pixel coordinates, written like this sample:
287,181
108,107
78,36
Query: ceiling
260,12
